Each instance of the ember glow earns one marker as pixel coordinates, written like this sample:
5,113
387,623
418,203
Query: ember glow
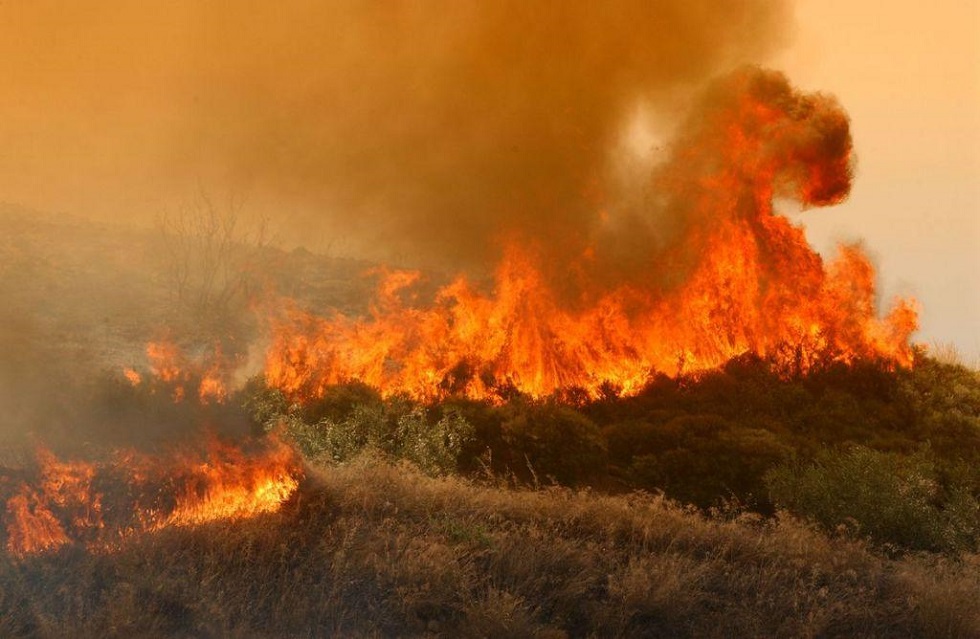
205,376
100,504
736,278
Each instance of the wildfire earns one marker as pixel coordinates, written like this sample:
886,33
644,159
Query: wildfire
98,504
132,376
752,282
169,364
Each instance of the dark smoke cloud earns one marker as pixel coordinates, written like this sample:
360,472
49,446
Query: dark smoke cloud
439,127
422,129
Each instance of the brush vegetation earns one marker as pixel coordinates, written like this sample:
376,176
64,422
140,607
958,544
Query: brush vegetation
891,457
738,503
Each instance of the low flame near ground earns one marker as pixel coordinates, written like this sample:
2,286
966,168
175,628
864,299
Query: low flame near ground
169,364
100,504
748,281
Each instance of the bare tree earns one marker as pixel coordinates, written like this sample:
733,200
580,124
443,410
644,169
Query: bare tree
214,264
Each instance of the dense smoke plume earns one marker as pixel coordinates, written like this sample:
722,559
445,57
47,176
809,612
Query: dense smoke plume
420,131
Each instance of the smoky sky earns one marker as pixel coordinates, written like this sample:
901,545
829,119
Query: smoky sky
430,130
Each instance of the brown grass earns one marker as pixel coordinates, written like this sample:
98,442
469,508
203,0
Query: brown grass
372,550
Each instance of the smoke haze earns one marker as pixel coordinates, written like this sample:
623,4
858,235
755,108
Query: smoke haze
418,130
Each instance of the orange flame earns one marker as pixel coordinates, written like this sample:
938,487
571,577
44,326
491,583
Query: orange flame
170,365
100,503
132,376
750,282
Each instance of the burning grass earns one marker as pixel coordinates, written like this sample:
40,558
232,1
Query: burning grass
370,549
54,502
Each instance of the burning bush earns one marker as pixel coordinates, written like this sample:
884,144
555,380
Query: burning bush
735,278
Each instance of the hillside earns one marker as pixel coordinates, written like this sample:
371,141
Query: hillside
742,501
369,549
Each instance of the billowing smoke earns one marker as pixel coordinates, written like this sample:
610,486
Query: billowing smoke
438,129
749,139
425,131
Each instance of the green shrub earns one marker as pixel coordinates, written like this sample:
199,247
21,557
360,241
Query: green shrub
889,498
554,440
433,447
265,406
395,428
339,400
703,459
943,401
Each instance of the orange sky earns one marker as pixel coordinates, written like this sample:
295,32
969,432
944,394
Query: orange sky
108,108
908,74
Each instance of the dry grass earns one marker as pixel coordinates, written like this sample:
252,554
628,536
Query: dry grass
372,550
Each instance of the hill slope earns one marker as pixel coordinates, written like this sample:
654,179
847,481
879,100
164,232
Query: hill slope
372,549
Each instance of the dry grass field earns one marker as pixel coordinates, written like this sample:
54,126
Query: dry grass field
371,549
